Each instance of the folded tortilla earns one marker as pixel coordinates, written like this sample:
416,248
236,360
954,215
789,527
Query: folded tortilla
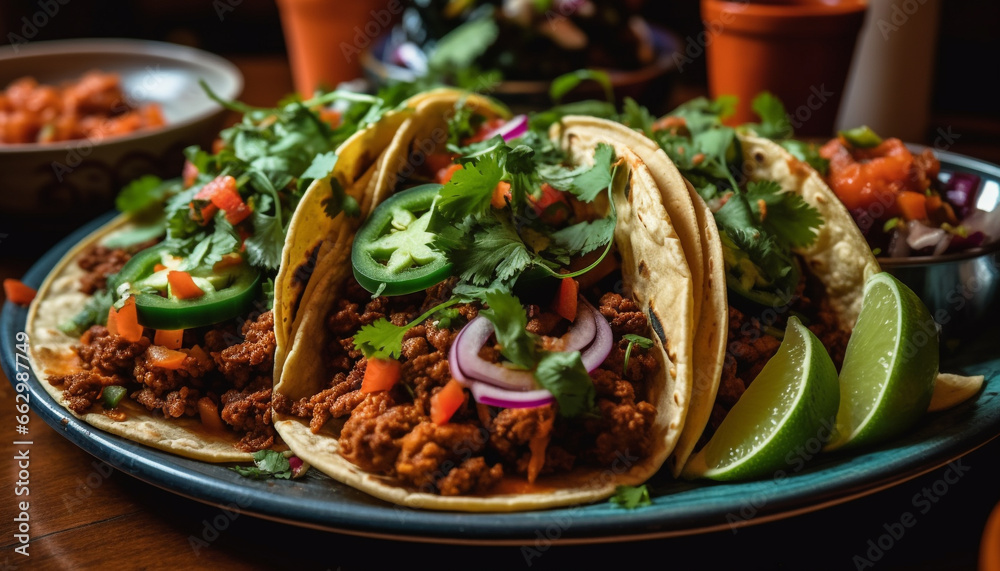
59,298
655,270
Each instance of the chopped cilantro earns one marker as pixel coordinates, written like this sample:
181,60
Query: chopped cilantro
383,340
631,497
510,325
775,123
339,201
785,215
267,464
563,374
470,189
144,193
565,83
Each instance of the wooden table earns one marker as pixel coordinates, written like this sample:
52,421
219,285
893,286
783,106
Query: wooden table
83,514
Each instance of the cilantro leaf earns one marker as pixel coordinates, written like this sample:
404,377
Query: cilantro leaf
784,215
631,497
633,339
463,45
593,181
263,248
510,325
808,153
267,464
563,374
320,167
775,123
496,252
470,189
383,340
637,116
567,82
584,237
144,193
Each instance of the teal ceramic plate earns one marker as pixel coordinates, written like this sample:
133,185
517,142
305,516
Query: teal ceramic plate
678,507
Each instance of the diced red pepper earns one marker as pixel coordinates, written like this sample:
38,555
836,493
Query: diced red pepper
444,175
566,299
227,261
445,402
164,358
183,286
501,194
552,206
17,292
380,375
169,338
330,116
485,129
125,321
437,161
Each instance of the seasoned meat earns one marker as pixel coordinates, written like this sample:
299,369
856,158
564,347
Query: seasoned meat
161,381
82,389
254,356
623,430
249,412
110,354
473,476
430,451
368,438
623,315
100,262
174,404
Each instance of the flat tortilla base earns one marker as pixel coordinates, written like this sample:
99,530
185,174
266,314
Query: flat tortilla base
52,354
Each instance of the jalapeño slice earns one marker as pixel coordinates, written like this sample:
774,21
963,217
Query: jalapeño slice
392,252
236,290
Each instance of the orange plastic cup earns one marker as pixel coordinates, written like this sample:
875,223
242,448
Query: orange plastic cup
989,549
800,50
325,38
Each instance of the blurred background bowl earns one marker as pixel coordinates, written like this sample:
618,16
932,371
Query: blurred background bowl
650,85
48,188
962,290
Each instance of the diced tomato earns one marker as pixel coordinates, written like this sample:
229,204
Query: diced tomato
552,206
912,205
445,402
164,358
669,123
444,175
224,194
217,146
169,338
566,299
437,161
159,268
501,194
125,321
380,375
190,174
17,292
330,116
183,286
485,129
209,413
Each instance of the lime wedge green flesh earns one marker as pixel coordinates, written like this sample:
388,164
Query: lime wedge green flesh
889,368
790,405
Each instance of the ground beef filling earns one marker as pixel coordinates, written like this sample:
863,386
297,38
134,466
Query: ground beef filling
750,346
390,433
99,262
233,371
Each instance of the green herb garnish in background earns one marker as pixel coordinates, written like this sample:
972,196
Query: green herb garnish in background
267,464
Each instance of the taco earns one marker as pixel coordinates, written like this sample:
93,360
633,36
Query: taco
784,246
157,326
509,329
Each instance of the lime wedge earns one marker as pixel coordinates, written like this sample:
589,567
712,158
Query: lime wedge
888,375
790,406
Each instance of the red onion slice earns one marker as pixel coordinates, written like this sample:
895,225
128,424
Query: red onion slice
510,130
599,350
581,333
466,364
496,396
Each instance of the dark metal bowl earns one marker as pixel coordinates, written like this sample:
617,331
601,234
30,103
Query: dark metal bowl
962,289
